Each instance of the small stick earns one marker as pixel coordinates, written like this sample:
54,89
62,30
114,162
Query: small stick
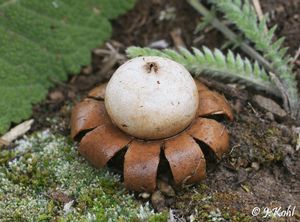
177,38
259,11
3,142
17,131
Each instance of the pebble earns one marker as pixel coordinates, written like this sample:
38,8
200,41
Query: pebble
255,166
144,195
269,105
56,96
158,201
165,188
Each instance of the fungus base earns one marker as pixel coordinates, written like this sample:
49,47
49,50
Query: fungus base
100,140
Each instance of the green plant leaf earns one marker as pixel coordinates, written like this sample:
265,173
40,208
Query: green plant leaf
214,64
256,31
43,41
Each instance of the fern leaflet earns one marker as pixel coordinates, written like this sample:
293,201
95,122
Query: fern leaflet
244,16
214,64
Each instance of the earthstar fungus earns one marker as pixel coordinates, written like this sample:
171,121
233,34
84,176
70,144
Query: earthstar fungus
150,108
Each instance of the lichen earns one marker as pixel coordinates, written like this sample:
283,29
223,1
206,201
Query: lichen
44,179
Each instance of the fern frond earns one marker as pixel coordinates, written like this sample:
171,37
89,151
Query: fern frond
206,20
214,64
244,16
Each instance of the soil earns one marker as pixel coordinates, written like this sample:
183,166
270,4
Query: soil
263,167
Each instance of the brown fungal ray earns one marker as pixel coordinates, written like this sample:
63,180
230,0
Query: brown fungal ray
102,143
140,166
98,92
211,103
200,86
212,133
186,159
86,115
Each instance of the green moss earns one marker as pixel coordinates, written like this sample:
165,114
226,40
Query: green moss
256,141
7,155
44,164
207,205
162,217
240,217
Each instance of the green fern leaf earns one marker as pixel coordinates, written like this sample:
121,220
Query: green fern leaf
216,65
220,58
244,16
43,41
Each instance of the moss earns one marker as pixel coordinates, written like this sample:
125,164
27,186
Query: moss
207,205
162,217
6,156
241,217
257,141
43,164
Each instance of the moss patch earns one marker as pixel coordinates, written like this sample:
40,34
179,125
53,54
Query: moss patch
256,140
206,205
44,179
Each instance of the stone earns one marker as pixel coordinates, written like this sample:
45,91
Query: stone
165,188
158,201
144,195
255,166
269,105
56,96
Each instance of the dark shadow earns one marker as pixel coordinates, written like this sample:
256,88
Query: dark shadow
116,164
164,171
209,155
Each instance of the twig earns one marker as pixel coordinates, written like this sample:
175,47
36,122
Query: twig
110,60
3,142
257,8
258,11
17,131
254,111
177,38
230,34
